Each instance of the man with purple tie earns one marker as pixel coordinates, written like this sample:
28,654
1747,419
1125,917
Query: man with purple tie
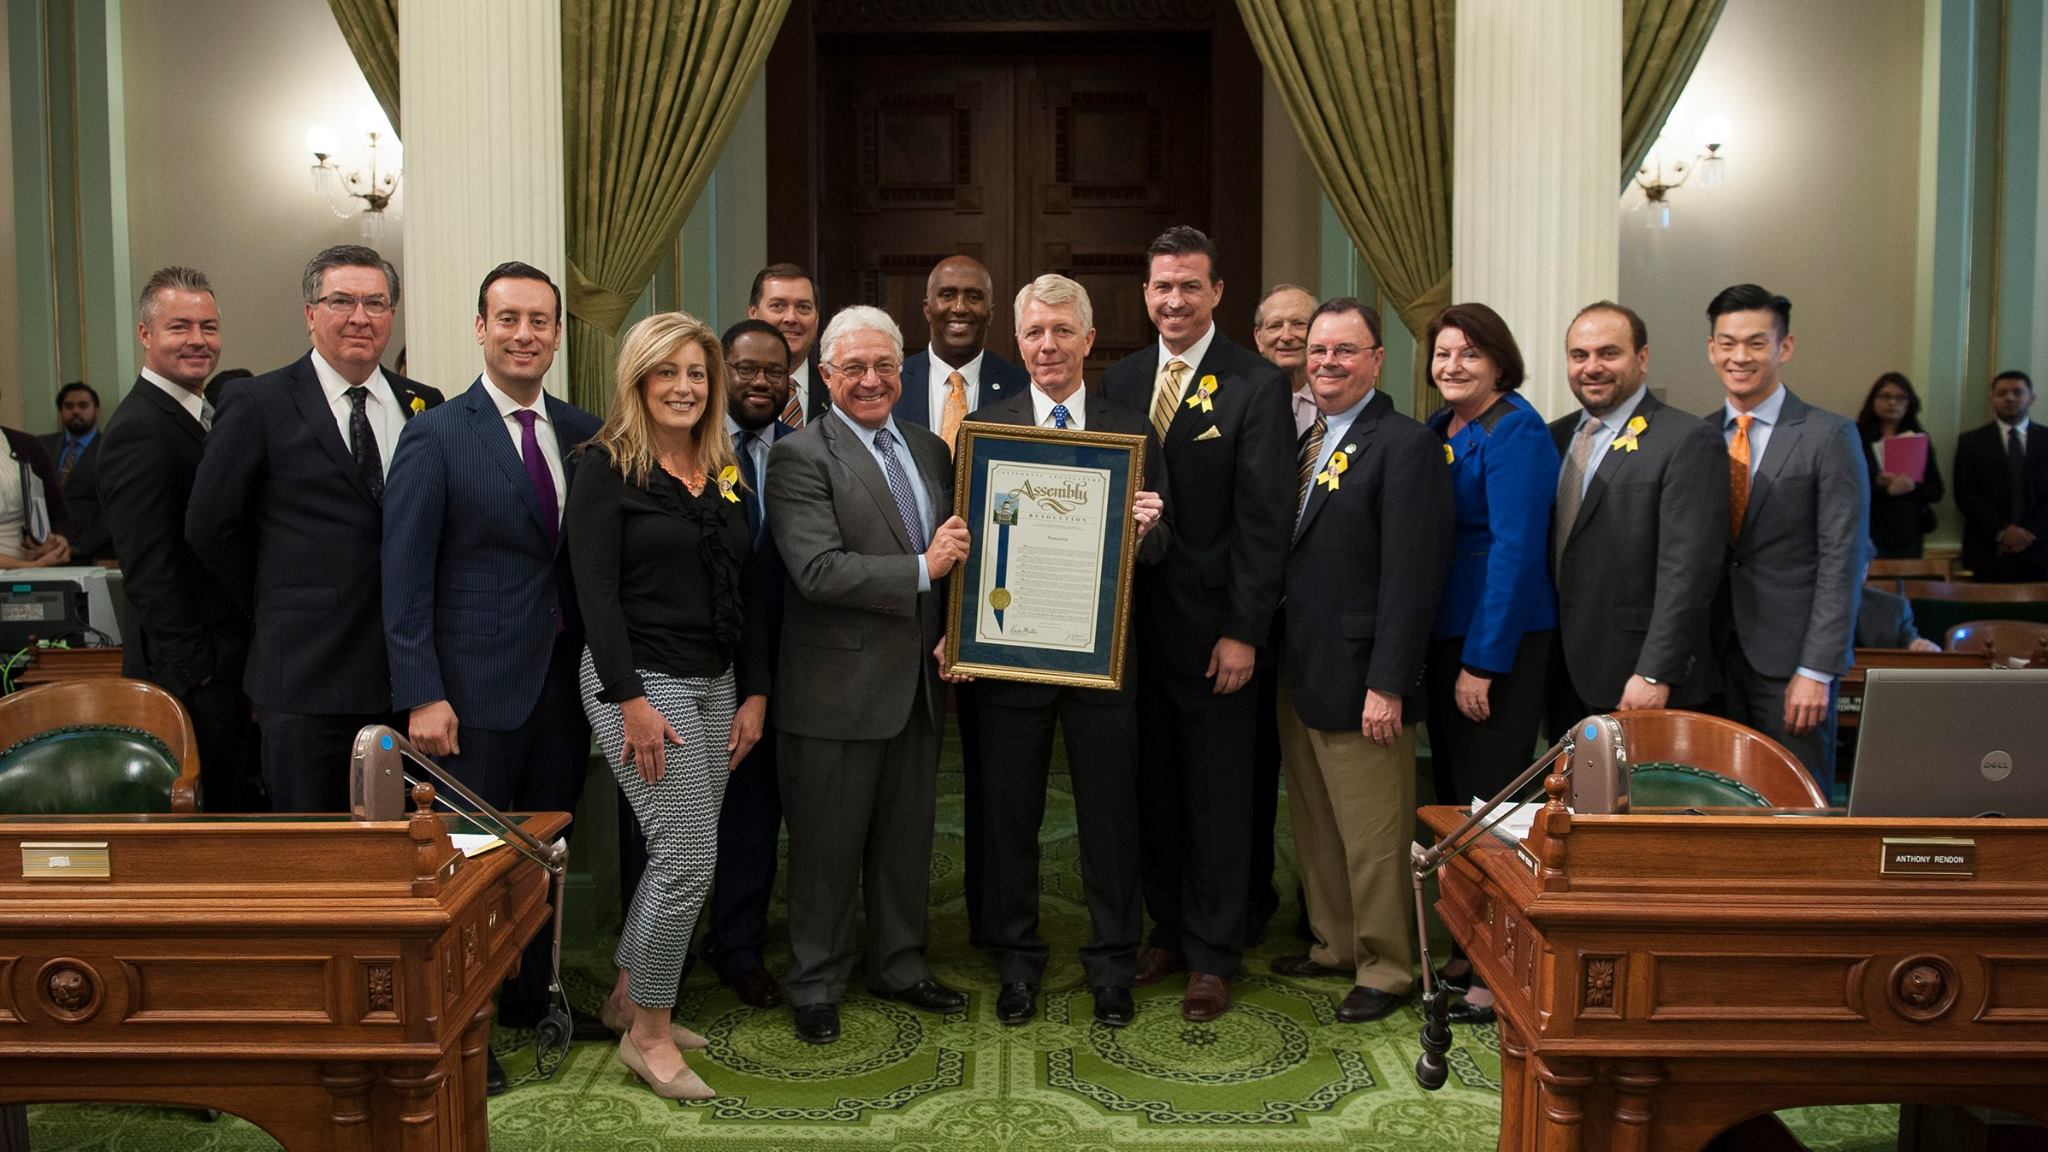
479,614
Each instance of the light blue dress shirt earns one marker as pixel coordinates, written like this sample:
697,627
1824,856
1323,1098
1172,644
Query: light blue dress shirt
1610,427
909,462
1335,428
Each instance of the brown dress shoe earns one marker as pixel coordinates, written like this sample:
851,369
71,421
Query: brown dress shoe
1303,966
1208,997
756,988
1156,964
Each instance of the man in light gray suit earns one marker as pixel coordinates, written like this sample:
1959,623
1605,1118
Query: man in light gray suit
1639,533
861,510
1799,497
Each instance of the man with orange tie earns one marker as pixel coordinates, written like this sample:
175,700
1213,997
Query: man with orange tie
953,376
1799,514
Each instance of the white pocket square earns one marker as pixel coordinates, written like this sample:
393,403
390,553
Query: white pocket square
1211,433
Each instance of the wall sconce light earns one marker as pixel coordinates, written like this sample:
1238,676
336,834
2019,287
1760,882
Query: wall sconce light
1665,169
372,180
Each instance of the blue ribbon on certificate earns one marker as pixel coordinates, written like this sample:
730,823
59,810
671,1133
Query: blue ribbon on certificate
1006,518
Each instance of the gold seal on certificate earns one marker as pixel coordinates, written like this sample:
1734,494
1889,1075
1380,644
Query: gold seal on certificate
999,599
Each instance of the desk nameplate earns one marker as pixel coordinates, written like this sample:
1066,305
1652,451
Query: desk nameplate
1952,856
66,860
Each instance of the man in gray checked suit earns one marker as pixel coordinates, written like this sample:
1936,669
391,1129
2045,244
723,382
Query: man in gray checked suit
1799,494
1639,535
860,505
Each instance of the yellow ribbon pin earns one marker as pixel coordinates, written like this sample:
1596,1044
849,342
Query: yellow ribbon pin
1337,466
419,405
1626,442
727,477
1205,389
1450,457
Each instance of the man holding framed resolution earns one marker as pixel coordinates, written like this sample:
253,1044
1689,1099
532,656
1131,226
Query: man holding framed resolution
1055,330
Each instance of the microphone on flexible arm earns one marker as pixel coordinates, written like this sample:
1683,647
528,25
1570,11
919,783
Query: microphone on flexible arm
1595,757
377,783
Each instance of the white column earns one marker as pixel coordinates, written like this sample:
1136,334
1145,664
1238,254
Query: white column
480,98
1535,204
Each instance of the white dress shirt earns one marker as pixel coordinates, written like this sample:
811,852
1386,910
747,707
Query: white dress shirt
917,485
195,403
1192,357
2005,430
386,421
1077,408
543,432
935,387
1610,427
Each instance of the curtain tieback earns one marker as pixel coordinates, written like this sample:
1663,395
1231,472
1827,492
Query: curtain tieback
594,304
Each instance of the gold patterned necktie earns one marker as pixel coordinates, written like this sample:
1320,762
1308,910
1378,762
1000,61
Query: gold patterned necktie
1166,395
1311,455
1738,475
955,409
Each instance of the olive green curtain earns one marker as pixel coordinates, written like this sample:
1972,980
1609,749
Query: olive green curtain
651,90
371,29
1367,84
1661,41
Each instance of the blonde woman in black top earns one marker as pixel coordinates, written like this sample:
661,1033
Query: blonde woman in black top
675,678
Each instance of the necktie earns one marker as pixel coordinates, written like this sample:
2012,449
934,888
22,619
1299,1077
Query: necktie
538,476
1305,465
1166,394
68,460
2016,472
1738,475
362,443
206,415
1060,415
899,487
793,412
955,410
751,477
1571,486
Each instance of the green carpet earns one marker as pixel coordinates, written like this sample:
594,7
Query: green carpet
1277,1072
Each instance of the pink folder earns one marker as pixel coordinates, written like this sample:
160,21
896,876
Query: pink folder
1906,456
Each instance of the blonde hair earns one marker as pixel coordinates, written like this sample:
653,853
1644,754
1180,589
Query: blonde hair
1054,290
628,431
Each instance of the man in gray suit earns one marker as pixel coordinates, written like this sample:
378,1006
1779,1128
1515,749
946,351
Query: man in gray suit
860,508
1799,498
1639,533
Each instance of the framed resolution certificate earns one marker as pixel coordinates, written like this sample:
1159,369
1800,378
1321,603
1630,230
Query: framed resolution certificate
1046,588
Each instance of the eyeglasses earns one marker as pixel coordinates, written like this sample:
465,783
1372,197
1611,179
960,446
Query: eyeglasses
749,371
859,371
1341,351
343,305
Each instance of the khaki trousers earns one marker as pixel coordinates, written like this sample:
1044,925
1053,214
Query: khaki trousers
1352,803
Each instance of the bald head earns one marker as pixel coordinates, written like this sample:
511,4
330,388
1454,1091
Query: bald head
1280,329
957,298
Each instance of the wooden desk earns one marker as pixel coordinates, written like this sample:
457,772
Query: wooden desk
1660,979
327,980
49,665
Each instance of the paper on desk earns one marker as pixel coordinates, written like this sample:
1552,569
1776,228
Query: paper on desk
1515,824
474,843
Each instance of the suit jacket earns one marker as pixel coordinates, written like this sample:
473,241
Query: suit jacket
1230,476
1642,559
1000,380
184,627
1885,620
857,635
473,587
1984,494
89,538
280,516
1503,482
1365,571
1103,416
1795,572
768,567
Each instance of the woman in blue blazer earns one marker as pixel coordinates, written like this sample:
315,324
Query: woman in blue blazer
1494,625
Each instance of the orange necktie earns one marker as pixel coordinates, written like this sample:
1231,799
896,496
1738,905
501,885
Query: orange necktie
1738,475
955,409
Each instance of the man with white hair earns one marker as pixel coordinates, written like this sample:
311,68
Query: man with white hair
859,505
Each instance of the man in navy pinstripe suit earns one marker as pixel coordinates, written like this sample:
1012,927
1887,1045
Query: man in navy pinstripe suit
479,614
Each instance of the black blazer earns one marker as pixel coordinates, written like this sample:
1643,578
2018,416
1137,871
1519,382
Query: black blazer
1896,523
184,626
280,516
1000,380
1103,415
1642,559
89,539
1230,478
1984,494
1365,572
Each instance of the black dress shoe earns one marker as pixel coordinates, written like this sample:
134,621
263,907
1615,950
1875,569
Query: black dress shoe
1362,1004
495,1083
756,988
1301,965
1463,1011
1113,1005
1017,1002
928,995
817,1023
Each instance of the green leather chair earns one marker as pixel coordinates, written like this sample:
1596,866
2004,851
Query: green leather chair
1666,785
1691,760
90,746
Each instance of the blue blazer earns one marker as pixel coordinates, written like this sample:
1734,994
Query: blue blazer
1503,481
472,588
1000,380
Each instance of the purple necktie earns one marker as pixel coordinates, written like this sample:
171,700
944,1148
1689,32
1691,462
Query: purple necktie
537,475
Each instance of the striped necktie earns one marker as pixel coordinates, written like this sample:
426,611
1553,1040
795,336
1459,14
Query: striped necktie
1166,394
1311,455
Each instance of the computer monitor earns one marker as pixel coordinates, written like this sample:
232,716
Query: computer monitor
1959,742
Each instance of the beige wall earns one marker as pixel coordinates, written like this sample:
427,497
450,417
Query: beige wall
1820,201
10,323
219,96
1290,233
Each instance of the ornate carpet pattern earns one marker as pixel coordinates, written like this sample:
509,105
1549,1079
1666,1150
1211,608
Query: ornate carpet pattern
1277,1072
